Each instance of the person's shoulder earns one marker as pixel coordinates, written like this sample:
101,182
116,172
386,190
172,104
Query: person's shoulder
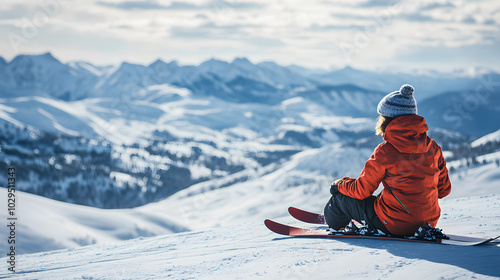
434,145
385,148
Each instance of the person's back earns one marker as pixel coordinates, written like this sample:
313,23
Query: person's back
409,164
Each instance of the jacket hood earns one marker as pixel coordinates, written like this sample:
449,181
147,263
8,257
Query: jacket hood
408,134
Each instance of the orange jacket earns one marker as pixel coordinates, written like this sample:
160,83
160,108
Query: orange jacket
412,169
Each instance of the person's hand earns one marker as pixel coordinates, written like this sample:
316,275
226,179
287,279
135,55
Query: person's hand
334,188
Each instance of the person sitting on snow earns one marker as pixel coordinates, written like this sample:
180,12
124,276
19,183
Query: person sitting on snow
410,166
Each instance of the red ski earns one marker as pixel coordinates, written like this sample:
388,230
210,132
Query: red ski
314,218
303,232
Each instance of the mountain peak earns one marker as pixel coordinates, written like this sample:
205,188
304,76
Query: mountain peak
160,65
348,68
40,58
213,61
48,55
242,61
269,64
128,65
157,62
173,63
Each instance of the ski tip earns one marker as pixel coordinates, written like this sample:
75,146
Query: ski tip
269,223
277,227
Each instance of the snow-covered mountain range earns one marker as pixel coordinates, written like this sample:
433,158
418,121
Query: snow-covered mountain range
173,148
125,136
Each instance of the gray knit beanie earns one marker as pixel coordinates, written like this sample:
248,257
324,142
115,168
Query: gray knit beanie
398,103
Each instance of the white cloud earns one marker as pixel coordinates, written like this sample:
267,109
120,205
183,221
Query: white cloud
293,31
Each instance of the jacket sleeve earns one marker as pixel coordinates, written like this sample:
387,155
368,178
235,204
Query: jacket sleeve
369,179
444,185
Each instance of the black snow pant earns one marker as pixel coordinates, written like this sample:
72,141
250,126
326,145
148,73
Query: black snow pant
340,209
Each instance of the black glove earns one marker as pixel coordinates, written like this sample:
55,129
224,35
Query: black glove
334,188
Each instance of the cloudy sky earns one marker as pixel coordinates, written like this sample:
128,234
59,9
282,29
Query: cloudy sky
369,34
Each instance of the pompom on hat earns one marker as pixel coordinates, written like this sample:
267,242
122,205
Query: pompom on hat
398,103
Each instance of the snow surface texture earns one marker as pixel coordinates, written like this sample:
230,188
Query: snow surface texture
250,251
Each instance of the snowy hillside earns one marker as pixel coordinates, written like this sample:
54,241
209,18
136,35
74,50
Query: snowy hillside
46,224
303,181
250,251
492,137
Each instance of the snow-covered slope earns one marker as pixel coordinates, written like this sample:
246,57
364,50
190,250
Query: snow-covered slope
263,193
479,179
304,181
45,224
250,251
244,197
492,137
